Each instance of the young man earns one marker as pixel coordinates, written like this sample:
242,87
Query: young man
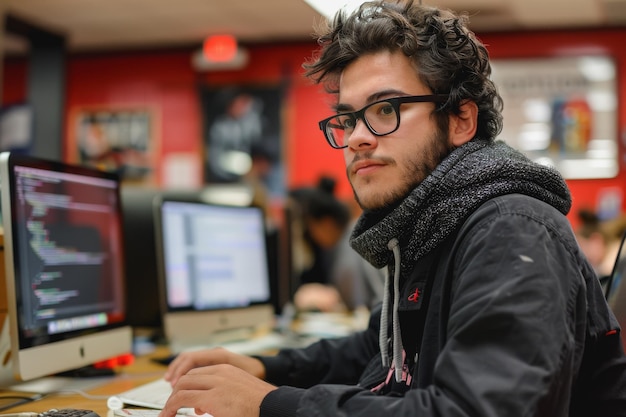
491,309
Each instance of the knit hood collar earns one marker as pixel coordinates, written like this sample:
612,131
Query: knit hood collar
469,176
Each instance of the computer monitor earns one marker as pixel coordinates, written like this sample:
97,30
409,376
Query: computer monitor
143,309
142,294
64,268
213,272
143,305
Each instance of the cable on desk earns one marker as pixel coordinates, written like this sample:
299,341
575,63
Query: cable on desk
16,397
82,393
21,399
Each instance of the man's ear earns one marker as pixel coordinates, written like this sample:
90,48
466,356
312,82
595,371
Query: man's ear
462,127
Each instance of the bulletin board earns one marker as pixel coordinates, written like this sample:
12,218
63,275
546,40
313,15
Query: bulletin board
118,139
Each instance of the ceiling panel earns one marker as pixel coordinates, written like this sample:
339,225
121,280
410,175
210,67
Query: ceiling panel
122,24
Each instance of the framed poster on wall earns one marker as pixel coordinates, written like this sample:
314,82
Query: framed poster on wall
243,135
122,140
562,111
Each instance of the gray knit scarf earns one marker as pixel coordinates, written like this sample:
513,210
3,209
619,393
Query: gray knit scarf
469,176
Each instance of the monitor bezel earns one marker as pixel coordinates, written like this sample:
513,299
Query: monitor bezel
71,350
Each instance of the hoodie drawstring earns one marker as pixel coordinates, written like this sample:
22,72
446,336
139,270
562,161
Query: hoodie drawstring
384,320
398,361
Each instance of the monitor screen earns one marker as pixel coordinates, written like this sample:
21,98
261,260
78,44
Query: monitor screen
64,266
213,268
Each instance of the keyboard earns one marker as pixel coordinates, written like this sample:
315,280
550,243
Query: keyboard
149,395
68,412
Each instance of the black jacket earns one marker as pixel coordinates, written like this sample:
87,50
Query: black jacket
509,320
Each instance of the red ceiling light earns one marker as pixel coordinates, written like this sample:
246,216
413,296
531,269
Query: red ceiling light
220,48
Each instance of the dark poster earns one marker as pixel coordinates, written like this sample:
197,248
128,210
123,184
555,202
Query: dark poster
242,135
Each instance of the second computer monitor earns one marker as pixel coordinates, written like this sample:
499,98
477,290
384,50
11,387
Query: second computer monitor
213,271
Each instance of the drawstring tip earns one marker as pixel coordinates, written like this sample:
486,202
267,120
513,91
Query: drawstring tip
399,376
385,362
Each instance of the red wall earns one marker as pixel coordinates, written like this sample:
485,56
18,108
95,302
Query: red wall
163,82
166,82
14,73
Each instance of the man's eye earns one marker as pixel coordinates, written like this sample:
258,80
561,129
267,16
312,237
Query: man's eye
348,123
387,110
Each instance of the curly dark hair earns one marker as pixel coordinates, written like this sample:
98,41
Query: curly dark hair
448,57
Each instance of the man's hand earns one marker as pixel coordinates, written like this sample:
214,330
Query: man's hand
219,390
186,361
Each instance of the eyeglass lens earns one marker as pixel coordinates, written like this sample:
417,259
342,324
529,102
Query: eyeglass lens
381,118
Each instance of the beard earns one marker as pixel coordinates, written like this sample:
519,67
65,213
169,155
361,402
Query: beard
416,168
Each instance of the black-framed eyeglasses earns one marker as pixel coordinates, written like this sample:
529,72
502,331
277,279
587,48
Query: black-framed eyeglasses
381,118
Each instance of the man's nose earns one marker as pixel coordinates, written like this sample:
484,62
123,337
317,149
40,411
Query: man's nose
361,136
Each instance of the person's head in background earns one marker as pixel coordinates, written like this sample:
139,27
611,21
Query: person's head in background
592,239
321,220
394,50
599,239
324,217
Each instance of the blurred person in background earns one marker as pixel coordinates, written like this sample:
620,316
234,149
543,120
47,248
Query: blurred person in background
593,239
330,275
599,240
